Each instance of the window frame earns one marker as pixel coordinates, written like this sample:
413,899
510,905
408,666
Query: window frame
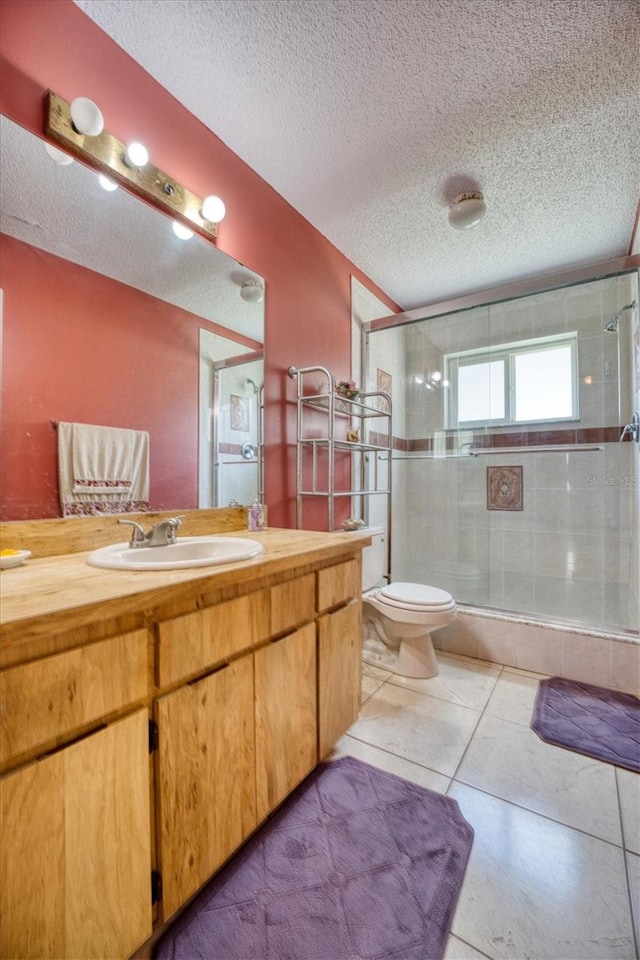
507,352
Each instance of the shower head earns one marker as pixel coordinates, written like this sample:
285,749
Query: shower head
612,326
253,384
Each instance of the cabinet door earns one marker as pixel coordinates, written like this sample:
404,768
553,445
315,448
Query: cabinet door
75,851
339,673
205,778
286,726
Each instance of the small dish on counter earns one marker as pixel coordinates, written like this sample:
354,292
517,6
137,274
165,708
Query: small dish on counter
13,558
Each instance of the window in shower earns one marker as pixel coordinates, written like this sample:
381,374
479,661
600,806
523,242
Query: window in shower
531,381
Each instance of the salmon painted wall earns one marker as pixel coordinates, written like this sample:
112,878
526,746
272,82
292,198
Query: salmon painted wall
63,318
52,44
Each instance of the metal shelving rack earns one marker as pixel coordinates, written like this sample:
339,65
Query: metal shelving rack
370,415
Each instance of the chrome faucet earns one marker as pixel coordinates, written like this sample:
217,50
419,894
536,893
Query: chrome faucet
160,535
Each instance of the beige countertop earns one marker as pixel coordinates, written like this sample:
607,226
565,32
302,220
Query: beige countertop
58,593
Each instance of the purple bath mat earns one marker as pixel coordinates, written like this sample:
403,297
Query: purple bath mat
357,864
591,720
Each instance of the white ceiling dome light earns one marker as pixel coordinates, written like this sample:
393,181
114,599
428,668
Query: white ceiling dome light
252,291
467,210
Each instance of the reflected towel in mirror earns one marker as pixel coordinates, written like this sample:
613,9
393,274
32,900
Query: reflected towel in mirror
102,470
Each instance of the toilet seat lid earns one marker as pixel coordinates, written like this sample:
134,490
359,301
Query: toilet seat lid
417,596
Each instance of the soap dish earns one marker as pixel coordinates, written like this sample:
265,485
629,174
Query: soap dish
13,559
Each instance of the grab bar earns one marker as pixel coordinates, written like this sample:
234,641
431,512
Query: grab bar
490,451
543,448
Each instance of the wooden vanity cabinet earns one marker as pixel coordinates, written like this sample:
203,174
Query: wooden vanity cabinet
248,685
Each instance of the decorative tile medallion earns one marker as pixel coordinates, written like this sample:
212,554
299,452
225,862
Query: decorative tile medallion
504,488
239,419
383,385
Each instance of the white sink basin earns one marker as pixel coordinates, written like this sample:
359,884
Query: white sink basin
187,552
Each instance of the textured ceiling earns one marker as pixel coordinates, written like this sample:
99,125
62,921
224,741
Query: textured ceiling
369,115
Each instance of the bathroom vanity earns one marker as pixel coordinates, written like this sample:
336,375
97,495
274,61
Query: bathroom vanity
152,720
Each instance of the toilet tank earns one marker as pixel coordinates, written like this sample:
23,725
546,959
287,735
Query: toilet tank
374,557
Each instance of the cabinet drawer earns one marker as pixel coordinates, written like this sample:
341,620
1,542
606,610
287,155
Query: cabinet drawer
49,698
292,603
198,640
338,584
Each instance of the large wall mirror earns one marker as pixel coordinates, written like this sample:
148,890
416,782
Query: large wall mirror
110,319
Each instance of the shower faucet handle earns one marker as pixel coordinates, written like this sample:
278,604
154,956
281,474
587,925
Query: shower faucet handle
632,429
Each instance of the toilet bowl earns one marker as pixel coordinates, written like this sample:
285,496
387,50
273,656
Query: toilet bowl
398,618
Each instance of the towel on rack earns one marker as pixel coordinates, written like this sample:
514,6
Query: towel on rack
102,470
101,459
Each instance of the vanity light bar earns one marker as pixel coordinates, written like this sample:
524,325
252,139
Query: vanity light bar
106,154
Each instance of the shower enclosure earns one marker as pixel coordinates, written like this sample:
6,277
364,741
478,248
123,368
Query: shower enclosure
512,489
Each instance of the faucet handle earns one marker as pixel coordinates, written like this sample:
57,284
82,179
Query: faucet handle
137,534
174,524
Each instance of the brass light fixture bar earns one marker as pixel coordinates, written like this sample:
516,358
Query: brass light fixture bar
105,153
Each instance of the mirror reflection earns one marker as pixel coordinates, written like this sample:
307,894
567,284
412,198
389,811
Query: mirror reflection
110,319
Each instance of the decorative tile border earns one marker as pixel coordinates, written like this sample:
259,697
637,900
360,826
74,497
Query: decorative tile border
531,438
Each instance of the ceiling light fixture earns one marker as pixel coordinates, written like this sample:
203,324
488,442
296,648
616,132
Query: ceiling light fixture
86,117
467,210
252,291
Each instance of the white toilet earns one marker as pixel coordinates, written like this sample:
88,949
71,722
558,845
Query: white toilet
398,618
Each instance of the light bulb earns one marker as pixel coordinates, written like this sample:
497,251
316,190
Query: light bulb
418,380
58,156
252,291
213,209
106,183
436,376
181,231
86,117
136,155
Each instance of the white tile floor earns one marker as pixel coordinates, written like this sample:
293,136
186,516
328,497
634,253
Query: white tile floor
554,872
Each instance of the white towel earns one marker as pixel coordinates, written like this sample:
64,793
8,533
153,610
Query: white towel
101,459
102,470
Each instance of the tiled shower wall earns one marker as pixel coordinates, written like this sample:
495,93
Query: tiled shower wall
566,554
573,549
